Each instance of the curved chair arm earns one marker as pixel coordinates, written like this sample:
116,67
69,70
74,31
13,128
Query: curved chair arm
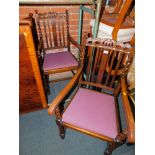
64,92
75,43
128,113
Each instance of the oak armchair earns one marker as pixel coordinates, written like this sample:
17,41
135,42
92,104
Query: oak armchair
54,50
93,108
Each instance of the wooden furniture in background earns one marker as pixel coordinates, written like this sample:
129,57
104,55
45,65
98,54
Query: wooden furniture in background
119,25
31,91
93,108
113,6
54,48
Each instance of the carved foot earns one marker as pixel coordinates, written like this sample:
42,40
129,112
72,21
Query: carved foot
58,111
108,151
61,129
119,140
62,135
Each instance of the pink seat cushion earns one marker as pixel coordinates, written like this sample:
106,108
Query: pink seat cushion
93,111
59,60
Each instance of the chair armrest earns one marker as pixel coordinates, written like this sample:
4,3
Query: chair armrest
64,92
75,43
128,113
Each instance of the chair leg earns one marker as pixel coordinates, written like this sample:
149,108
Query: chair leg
47,83
119,140
61,129
58,122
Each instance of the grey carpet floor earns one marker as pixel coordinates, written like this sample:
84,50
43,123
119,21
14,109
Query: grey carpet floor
38,135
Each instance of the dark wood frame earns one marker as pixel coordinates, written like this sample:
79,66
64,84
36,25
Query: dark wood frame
56,107
42,49
121,14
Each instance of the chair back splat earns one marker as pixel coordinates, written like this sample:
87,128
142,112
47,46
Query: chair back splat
111,61
53,28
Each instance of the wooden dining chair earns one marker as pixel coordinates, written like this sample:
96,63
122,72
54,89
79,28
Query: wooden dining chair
93,106
120,24
54,48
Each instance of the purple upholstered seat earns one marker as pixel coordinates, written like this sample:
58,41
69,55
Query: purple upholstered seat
93,111
59,60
